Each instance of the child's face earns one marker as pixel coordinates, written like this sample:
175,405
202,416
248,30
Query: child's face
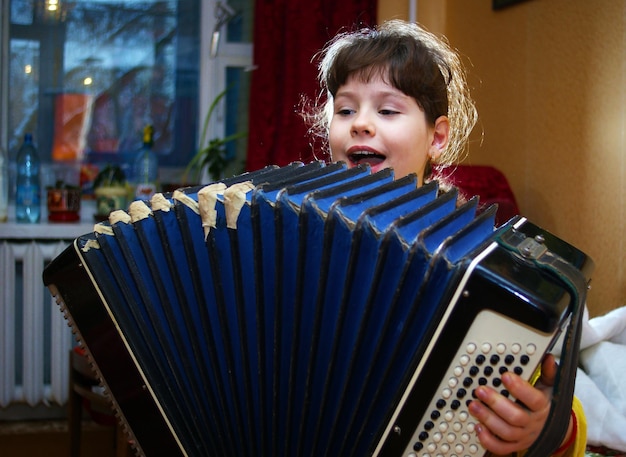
375,123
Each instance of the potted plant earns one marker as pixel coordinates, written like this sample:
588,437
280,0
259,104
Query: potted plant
212,156
111,190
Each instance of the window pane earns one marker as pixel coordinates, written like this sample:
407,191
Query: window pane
236,119
240,27
22,12
24,87
108,68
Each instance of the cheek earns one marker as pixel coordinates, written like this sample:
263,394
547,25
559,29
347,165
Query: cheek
334,142
411,160
404,169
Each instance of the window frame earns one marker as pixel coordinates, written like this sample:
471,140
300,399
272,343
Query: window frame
4,74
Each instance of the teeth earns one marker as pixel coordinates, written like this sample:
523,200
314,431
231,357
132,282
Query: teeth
365,156
363,153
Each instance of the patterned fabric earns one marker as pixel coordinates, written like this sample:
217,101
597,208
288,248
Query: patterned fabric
594,451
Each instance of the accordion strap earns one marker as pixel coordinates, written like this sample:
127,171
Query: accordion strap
563,391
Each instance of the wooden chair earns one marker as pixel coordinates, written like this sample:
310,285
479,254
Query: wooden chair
82,382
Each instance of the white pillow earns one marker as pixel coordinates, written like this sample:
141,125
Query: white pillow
605,364
605,425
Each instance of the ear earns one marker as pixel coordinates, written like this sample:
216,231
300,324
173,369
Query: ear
441,136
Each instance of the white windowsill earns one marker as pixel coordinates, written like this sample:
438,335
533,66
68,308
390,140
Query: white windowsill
45,230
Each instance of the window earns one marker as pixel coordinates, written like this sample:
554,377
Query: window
86,76
229,27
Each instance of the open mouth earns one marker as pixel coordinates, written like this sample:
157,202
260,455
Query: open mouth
366,157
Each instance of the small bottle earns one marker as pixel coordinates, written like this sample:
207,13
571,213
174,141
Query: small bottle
4,186
28,188
146,167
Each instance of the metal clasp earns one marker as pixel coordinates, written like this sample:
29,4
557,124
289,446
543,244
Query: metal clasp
532,248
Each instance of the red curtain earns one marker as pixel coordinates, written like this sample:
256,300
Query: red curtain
287,34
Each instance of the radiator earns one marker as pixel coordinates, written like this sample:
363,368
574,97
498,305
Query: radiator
34,337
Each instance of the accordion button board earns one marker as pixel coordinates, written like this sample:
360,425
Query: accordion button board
447,428
314,310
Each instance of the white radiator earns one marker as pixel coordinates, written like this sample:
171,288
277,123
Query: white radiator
34,337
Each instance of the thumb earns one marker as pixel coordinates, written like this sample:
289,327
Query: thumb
548,371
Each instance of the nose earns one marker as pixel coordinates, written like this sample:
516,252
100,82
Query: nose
362,124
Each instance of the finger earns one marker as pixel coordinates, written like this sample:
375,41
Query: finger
512,428
495,434
533,398
493,443
548,371
502,416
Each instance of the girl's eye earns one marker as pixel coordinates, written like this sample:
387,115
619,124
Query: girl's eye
387,112
345,111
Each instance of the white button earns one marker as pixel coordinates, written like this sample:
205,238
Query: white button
470,427
465,437
449,415
458,371
452,382
473,448
459,448
531,349
446,393
463,415
437,437
445,448
464,360
515,348
457,426
470,348
432,447
500,348
443,426
486,347
451,437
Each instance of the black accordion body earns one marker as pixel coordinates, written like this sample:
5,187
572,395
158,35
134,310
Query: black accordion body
316,310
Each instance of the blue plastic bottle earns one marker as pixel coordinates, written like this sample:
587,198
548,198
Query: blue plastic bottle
28,188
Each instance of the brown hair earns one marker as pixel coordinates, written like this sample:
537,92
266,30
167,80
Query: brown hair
413,61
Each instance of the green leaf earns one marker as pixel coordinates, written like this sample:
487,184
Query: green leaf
213,155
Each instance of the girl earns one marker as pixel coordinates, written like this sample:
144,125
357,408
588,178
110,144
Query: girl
397,97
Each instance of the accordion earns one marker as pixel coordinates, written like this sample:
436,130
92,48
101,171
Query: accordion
318,310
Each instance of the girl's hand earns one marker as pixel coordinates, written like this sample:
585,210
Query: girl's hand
507,426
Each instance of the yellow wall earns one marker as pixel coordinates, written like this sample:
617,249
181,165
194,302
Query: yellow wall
549,79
